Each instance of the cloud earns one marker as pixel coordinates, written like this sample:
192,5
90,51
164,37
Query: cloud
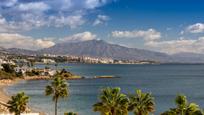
24,42
8,3
84,36
33,6
90,4
71,13
177,46
153,40
195,28
72,21
29,21
101,19
148,35
10,40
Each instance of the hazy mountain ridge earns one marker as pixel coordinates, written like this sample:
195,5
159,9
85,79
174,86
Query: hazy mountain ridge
21,51
99,48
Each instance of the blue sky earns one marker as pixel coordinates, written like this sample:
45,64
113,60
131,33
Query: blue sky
169,26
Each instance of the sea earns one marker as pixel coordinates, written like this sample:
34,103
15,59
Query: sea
163,81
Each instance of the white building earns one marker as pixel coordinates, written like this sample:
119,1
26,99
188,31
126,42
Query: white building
48,61
22,69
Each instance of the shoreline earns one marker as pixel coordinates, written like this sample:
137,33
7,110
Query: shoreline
5,97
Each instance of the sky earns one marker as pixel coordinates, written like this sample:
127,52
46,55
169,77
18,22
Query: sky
169,26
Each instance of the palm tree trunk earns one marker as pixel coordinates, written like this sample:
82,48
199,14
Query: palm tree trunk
56,106
112,111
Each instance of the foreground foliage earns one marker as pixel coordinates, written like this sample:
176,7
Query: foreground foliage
18,103
58,89
141,103
184,108
112,102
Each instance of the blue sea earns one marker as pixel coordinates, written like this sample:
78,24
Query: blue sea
163,81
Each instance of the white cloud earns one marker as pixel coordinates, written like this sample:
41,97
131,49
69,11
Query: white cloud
33,6
29,21
72,21
66,4
84,36
6,26
196,28
101,19
148,35
176,46
34,14
90,4
154,42
24,42
8,3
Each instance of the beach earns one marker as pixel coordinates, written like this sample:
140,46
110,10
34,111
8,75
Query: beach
4,97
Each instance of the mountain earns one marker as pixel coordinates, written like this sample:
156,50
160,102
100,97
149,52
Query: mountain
100,48
2,50
21,51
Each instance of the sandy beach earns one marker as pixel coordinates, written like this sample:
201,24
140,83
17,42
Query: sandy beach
4,97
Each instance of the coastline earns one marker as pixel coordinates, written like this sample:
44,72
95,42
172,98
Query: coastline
4,97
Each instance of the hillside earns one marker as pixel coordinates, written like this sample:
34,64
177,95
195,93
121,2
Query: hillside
99,48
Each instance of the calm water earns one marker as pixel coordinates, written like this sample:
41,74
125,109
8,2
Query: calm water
164,81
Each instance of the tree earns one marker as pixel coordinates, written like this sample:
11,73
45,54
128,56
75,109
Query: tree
8,68
141,103
18,103
112,102
58,88
184,108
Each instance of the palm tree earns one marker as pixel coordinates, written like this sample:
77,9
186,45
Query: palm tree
141,103
184,108
112,102
58,88
18,103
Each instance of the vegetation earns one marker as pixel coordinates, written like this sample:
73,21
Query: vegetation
5,75
184,108
58,89
141,103
112,102
8,68
8,72
66,74
32,73
18,103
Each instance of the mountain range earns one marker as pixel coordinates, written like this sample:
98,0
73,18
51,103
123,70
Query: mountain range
100,48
